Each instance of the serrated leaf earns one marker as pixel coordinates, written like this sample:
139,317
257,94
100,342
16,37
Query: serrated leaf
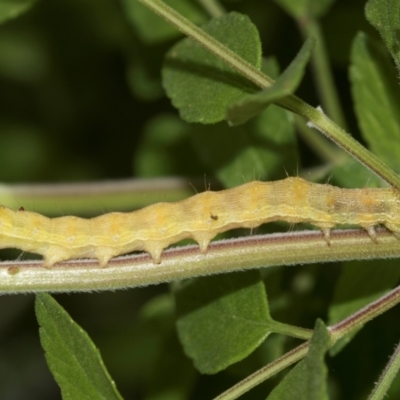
307,380
72,357
222,318
286,84
13,8
376,95
199,84
358,285
153,29
384,15
302,8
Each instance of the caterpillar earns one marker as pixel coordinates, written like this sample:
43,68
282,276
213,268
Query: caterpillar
199,217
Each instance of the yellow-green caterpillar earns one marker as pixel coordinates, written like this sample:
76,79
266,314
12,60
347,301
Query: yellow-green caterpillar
200,217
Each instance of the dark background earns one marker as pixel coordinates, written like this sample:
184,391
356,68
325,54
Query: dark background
77,87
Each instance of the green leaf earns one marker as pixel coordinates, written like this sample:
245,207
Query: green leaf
202,86
359,285
384,15
151,28
222,318
13,8
302,8
307,380
286,84
72,357
376,96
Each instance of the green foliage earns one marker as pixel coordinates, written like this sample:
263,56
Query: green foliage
71,355
84,103
308,379
285,84
206,307
358,286
385,16
200,85
376,97
149,26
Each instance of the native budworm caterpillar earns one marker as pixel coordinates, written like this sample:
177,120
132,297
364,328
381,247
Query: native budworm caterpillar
200,217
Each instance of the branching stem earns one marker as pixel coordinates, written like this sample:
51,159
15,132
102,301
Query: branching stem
292,103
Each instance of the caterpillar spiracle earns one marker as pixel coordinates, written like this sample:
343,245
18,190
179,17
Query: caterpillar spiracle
199,217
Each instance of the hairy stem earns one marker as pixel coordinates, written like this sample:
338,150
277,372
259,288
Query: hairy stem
339,330
318,120
388,374
265,373
187,262
365,314
208,42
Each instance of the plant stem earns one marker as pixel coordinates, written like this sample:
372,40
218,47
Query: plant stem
291,330
320,121
365,314
339,330
223,256
291,103
208,42
309,26
388,374
264,373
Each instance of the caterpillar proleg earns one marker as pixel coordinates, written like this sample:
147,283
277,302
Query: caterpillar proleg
199,217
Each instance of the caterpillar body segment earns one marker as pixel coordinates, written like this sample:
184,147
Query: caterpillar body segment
199,217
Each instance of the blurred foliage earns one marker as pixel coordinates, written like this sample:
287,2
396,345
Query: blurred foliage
81,99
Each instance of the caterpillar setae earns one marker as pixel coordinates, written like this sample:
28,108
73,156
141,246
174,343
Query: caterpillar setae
199,217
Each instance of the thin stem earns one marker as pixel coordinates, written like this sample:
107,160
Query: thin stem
265,373
251,252
388,374
292,103
291,330
208,42
365,314
309,26
318,120
339,330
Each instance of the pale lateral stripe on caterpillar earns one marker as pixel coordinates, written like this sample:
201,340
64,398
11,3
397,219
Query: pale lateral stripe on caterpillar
200,217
